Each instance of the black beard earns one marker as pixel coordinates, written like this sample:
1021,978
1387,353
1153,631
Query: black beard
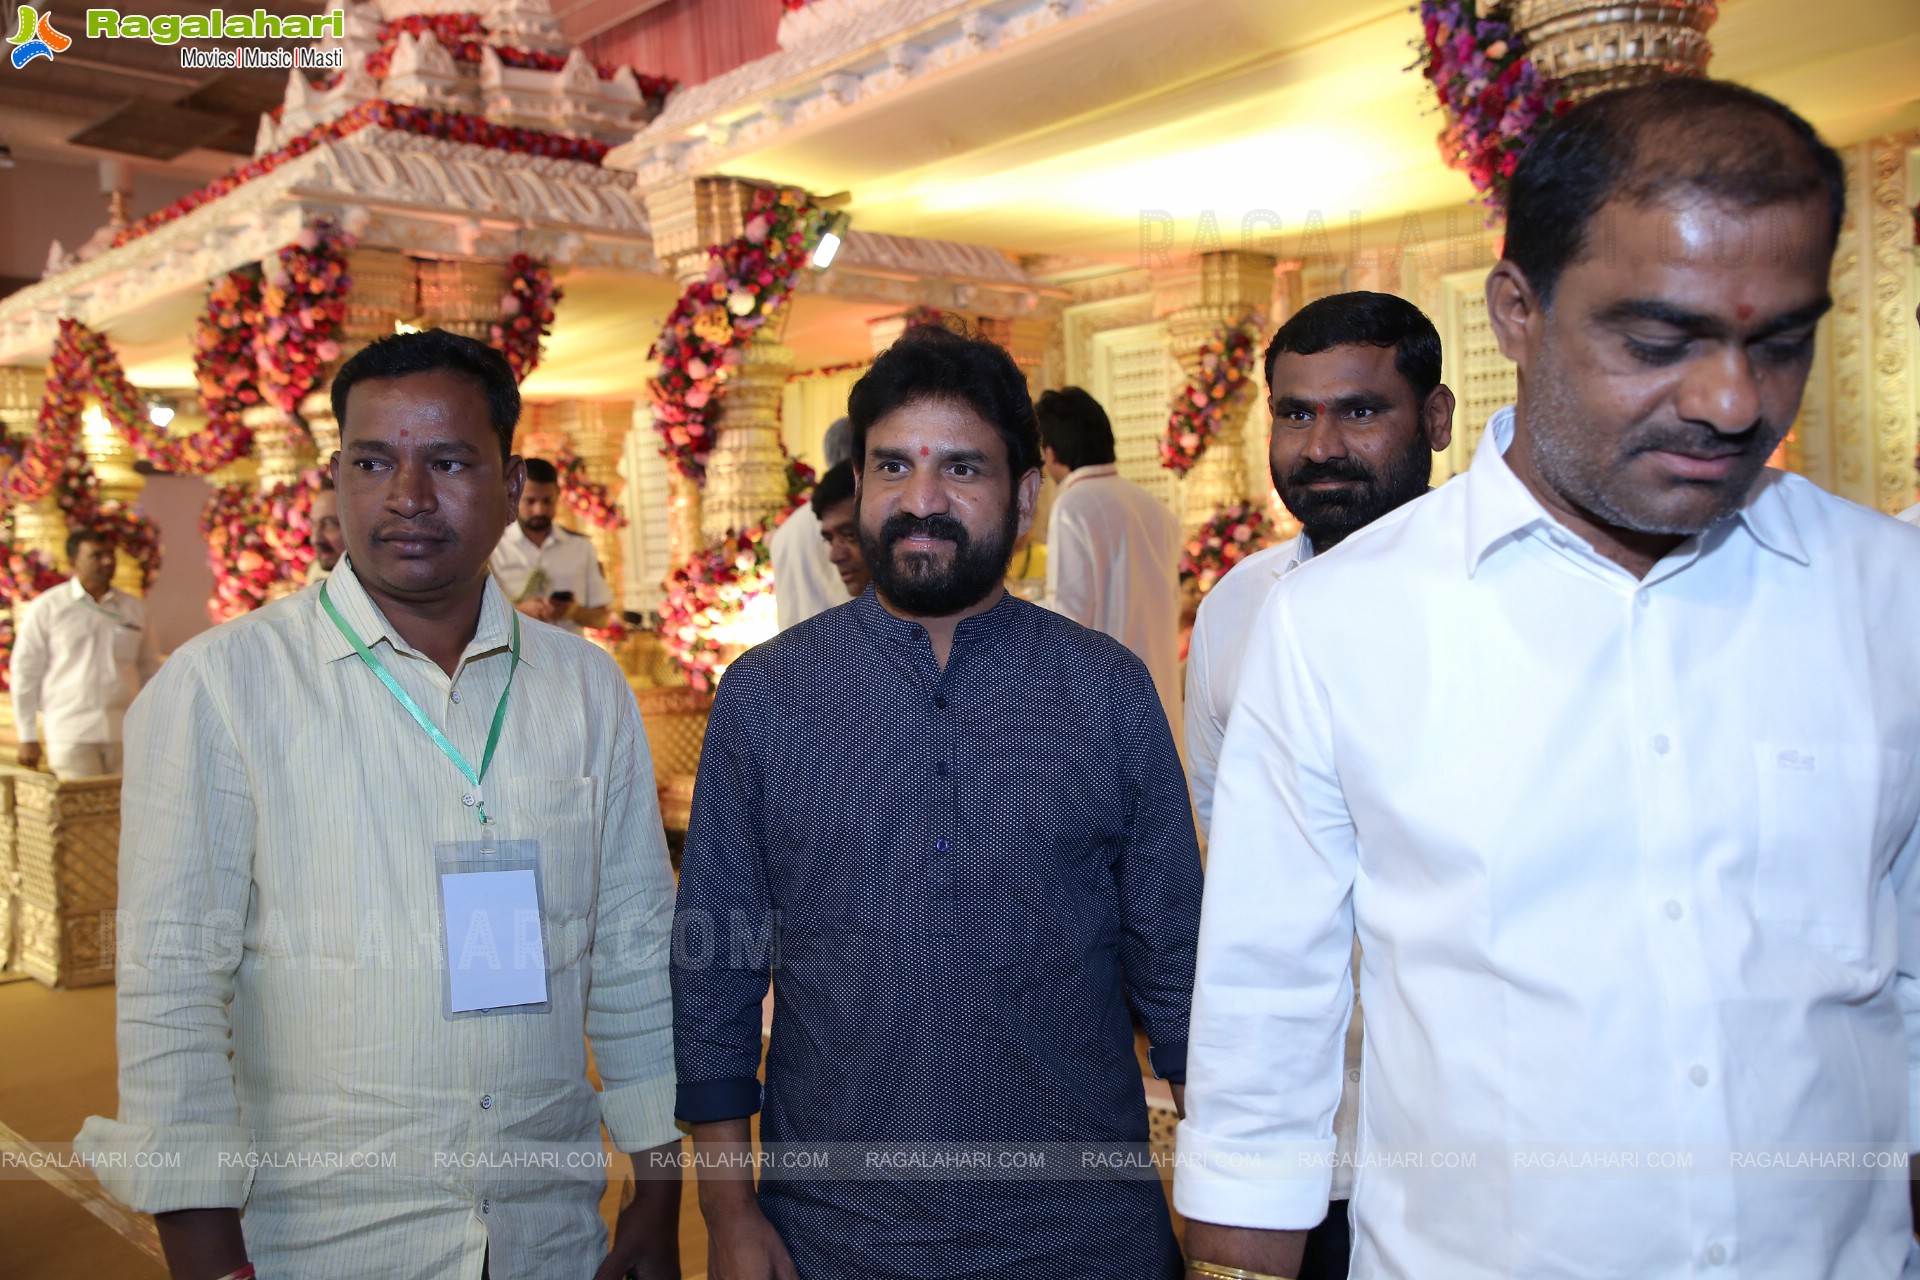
1330,517
920,587
537,524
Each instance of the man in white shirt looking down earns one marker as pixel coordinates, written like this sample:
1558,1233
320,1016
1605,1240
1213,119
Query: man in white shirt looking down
550,573
1605,753
1113,550
83,651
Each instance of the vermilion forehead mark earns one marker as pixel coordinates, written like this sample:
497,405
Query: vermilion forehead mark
1745,311
925,452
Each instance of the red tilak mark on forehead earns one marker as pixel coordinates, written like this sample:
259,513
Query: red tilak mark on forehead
1745,311
924,451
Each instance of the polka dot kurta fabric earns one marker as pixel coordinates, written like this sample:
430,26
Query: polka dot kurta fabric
958,880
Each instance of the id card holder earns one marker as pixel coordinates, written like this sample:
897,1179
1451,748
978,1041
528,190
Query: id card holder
492,927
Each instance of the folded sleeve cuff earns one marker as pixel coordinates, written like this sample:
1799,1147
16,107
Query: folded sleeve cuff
1269,1186
639,1116
707,1101
161,1170
1169,1061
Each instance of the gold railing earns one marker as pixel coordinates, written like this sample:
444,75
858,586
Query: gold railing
59,876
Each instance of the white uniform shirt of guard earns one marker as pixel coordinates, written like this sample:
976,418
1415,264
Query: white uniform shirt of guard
77,664
278,877
1113,564
1631,864
566,561
804,579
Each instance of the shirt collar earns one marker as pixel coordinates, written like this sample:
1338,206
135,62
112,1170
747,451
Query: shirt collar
885,626
1301,552
344,591
1501,508
1093,472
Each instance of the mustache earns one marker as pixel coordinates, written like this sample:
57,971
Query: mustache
897,527
1707,443
414,530
1310,472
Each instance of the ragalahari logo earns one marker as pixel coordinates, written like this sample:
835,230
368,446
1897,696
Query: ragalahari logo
36,37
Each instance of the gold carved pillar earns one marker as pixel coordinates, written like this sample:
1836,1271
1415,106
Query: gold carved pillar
596,431
461,297
385,291
279,444
112,459
1219,290
37,526
747,471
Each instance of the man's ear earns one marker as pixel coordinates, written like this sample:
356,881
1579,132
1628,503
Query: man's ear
1027,494
1436,418
516,481
1516,313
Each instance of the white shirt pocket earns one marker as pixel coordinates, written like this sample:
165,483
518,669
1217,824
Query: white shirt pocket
1817,861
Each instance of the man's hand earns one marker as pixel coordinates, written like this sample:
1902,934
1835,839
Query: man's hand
544,610
1274,1253
646,1235
1179,1092
741,1243
29,755
201,1243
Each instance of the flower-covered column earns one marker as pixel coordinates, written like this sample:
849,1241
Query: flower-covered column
1228,286
747,470
385,292
282,447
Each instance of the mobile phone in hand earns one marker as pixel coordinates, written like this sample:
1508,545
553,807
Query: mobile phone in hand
561,597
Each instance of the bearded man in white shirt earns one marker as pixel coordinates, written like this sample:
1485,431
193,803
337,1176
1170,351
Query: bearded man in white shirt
1605,753
83,651
548,572
1353,383
1113,550
806,580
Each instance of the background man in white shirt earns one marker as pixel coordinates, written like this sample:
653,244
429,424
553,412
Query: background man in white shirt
81,653
550,573
1605,751
835,505
328,546
1113,551
805,580
1353,383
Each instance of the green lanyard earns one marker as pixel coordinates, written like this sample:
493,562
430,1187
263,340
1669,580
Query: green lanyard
413,708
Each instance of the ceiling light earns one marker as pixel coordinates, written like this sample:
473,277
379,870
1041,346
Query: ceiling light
833,234
401,326
159,414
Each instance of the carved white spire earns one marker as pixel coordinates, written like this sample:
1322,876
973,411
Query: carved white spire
524,24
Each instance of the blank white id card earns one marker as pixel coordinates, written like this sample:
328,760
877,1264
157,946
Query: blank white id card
492,926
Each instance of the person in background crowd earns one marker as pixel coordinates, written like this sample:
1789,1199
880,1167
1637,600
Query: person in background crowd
548,572
353,934
837,512
81,653
959,822
805,580
327,544
1604,752
1353,383
1113,551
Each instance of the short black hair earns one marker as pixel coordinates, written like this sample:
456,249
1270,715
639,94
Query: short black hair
540,471
932,362
1642,143
1365,319
400,355
76,538
1075,427
326,484
833,488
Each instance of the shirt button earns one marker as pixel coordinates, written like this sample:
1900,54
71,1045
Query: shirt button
1698,1075
940,701
1716,1254
486,1206
1660,744
942,845
1673,909
456,695
467,800
486,1102
1640,598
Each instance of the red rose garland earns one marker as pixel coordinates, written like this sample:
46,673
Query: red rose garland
223,365
746,282
526,314
303,307
1229,536
1226,362
257,542
717,584
449,126
588,499
1494,97
23,575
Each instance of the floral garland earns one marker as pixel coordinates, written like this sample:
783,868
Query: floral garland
224,368
463,35
718,583
1226,362
1229,536
746,282
526,314
303,308
258,542
23,575
588,499
1493,95
426,122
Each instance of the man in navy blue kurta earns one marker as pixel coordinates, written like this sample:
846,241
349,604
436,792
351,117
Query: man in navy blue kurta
954,828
